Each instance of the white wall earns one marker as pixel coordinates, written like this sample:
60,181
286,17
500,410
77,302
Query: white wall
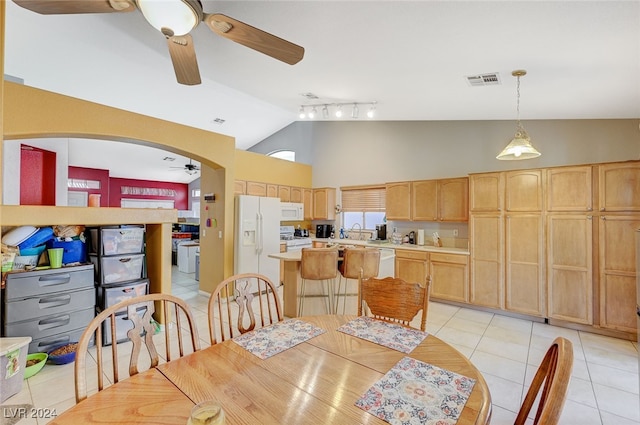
11,167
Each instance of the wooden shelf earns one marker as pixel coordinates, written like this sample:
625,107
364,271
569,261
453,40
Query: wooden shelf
36,215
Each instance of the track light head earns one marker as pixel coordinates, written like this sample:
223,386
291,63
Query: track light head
301,114
355,111
339,111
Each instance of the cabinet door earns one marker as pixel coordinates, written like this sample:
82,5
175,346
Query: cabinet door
453,199
272,190
307,200
569,268
450,277
256,188
619,186
424,200
398,201
523,191
618,272
296,194
240,187
486,192
486,246
324,201
284,193
412,266
524,261
569,189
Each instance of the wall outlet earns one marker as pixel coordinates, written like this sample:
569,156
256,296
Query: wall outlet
455,233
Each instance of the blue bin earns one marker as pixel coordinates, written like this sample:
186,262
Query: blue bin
75,251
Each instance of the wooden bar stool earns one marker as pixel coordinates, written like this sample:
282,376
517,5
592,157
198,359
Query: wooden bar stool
356,260
320,264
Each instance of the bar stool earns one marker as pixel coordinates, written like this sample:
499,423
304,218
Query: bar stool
355,261
320,264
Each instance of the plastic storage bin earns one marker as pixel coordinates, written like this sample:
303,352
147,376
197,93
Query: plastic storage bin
13,361
75,251
119,268
117,241
110,295
123,325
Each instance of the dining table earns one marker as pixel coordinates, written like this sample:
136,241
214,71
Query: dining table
317,381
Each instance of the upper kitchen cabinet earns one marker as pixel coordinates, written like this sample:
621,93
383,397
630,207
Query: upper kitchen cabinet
256,188
284,193
272,190
569,189
424,200
296,195
486,192
324,203
619,185
453,199
523,191
307,200
398,201
240,187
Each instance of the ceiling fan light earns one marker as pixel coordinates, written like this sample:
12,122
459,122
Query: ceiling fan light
180,16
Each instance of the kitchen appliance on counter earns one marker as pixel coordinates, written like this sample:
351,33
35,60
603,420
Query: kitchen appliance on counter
381,231
256,236
323,231
294,239
412,237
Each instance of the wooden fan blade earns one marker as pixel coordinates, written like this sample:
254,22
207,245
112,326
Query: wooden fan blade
62,7
183,56
254,38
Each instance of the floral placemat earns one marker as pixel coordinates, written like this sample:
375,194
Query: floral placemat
397,337
415,392
270,340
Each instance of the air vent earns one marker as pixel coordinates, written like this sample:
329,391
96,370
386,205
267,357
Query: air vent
309,96
168,158
492,79
219,121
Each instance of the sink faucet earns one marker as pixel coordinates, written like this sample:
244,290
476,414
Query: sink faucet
359,230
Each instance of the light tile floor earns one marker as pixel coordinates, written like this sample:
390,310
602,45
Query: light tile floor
604,388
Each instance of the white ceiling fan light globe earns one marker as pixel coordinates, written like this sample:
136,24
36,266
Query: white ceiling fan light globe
180,16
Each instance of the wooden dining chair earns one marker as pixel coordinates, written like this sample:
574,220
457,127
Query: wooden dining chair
354,262
393,300
318,264
134,314
551,382
238,301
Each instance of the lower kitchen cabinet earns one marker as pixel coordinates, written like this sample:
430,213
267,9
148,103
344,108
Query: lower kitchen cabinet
412,266
449,276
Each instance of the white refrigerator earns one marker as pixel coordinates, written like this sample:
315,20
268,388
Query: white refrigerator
257,234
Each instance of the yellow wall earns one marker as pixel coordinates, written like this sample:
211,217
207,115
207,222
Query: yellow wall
256,167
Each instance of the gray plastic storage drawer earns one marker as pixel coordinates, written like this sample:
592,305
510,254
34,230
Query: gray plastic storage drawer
45,305
117,241
123,325
44,344
50,325
110,295
40,282
119,268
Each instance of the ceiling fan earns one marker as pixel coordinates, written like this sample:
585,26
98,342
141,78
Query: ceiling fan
175,19
189,168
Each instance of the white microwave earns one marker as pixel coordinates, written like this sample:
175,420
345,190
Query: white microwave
291,211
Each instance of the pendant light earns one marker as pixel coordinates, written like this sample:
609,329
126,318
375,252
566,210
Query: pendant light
520,146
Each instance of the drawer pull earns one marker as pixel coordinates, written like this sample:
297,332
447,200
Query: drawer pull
54,322
44,345
54,280
54,301
125,260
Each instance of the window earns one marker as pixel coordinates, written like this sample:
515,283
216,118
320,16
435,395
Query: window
363,205
195,193
284,154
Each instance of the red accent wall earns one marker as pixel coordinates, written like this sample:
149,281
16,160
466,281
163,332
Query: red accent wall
92,174
37,176
181,199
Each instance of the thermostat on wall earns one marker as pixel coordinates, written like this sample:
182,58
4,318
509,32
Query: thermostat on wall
210,197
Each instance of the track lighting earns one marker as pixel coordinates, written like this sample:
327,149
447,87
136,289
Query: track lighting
311,111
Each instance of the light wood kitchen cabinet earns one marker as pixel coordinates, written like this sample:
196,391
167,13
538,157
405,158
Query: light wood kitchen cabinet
523,191
412,266
619,185
272,190
424,200
256,188
453,199
296,194
569,189
486,192
524,264
398,201
307,200
618,271
487,266
449,276
324,203
284,193
240,187
570,267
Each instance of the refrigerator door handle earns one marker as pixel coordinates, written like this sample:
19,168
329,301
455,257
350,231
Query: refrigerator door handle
259,234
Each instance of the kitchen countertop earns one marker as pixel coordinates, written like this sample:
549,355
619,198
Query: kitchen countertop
389,245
